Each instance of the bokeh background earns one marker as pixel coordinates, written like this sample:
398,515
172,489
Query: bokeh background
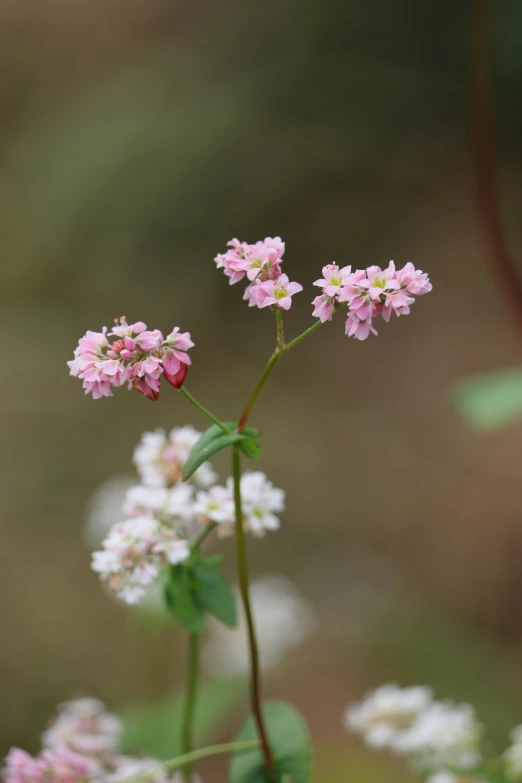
136,139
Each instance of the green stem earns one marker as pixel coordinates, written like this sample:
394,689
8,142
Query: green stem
280,329
281,349
201,408
212,750
203,535
190,704
242,564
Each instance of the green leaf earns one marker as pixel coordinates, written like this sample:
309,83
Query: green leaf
289,742
214,440
215,594
182,600
154,729
250,449
490,402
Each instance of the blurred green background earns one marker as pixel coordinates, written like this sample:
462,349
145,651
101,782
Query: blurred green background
137,137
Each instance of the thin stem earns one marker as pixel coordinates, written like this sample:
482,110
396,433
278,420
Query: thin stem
203,535
190,703
280,329
201,408
212,750
279,351
242,564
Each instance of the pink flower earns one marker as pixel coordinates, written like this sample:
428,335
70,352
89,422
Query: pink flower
232,261
398,302
324,307
379,282
59,766
355,327
333,279
413,280
277,292
138,357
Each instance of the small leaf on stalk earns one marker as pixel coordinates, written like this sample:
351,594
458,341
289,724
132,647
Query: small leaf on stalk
289,742
215,594
182,600
201,454
250,448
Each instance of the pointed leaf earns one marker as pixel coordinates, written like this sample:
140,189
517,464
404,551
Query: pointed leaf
250,448
289,743
199,454
182,601
215,594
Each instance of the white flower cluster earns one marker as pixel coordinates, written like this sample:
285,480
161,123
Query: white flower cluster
513,756
284,620
435,735
84,726
163,513
261,501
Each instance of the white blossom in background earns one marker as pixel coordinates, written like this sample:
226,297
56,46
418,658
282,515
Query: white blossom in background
104,508
133,554
85,727
434,735
174,506
449,777
386,712
145,770
513,756
284,620
159,458
215,505
444,735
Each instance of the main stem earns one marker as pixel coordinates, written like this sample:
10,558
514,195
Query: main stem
281,349
187,728
242,563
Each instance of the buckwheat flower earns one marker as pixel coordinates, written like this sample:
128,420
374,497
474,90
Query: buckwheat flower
386,713
284,621
513,756
261,501
449,777
323,308
85,727
160,458
133,554
357,327
413,280
443,735
58,766
173,507
138,357
379,281
145,770
144,501
277,292
232,261
216,505
334,279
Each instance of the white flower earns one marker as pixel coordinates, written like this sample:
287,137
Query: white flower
283,619
260,500
215,505
386,713
443,735
171,506
513,755
84,726
448,777
133,553
104,509
145,769
160,459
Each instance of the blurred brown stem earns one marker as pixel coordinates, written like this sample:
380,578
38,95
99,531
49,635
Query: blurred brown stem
484,160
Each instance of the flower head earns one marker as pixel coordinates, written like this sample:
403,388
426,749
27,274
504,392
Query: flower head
133,554
276,293
59,766
160,458
137,357
85,727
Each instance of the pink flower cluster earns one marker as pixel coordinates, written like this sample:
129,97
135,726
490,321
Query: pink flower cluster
261,264
136,357
84,723
60,766
368,293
